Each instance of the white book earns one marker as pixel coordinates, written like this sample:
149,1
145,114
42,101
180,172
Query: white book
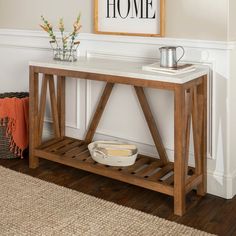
180,69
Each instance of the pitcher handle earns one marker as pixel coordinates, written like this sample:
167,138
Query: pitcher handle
182,54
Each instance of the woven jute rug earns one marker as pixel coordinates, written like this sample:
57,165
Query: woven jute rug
29,206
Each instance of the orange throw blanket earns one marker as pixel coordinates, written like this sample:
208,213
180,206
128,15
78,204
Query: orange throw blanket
17,112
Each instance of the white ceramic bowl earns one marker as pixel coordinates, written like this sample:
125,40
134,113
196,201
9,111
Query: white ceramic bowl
102,158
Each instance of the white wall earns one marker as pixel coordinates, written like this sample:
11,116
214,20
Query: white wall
184,18
232,20
231,94
232,116
25,14
205,20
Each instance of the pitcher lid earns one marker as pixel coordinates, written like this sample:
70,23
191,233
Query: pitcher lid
168,47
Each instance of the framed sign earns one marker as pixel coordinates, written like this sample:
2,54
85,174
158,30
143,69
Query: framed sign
129,17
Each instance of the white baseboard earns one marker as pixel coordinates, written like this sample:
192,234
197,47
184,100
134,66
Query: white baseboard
221,185
233,185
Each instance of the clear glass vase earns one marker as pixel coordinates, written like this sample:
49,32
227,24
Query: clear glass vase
60,54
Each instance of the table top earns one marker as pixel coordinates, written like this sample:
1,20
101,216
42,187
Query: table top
122,68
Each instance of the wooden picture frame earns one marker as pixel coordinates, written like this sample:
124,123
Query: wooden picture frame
141,18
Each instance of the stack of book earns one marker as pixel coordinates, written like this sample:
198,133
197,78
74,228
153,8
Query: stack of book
180,69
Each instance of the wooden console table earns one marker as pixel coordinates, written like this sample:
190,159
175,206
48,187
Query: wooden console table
190,105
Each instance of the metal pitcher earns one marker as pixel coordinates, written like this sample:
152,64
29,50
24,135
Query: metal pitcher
168,56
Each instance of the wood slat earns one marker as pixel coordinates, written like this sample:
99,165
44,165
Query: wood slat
193,181
150,168
69,147
104,171
119,168
109,78
58,145
61,97
98,113
33,114
169,180
188,116
202,164
54,109
89,159
162,172
197,120
151,124
140,162
50,142
180,156
76,150
151,159
198,124
82,155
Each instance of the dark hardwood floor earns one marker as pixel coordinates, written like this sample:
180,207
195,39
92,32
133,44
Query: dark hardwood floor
211,214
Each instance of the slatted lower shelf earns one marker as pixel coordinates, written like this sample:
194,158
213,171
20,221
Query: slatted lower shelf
147,172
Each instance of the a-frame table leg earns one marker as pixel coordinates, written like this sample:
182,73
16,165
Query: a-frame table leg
33,121
180,152
98,113
151,124
201,164
61,99
54,106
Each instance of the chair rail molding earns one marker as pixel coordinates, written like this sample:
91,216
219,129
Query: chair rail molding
39,39
18,47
